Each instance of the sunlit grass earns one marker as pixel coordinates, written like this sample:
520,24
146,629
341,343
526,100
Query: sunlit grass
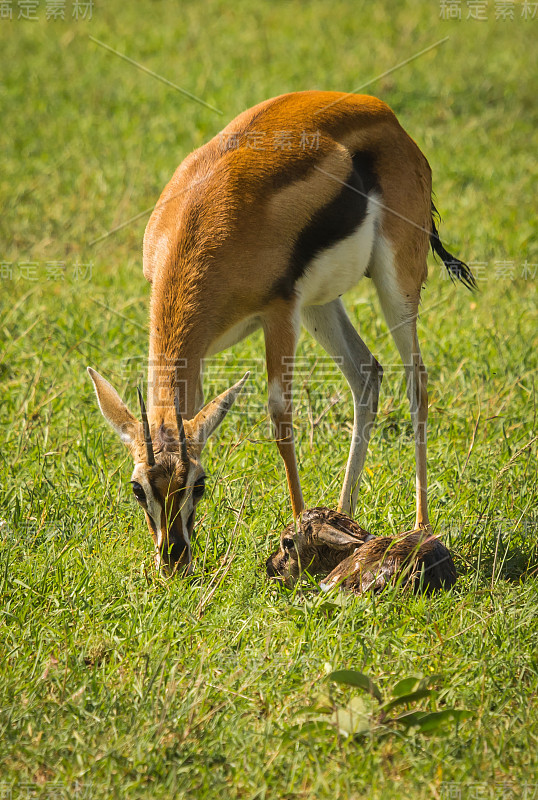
116,681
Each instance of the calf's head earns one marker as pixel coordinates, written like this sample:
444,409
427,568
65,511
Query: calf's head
315,544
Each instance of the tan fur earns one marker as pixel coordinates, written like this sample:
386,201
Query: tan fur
228,230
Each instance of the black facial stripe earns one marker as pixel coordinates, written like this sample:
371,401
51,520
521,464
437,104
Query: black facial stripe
199,486
152,523
330,224
190,523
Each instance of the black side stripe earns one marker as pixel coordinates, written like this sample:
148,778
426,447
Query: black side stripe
331,223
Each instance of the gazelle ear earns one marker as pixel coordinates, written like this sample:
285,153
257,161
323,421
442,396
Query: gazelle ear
209,418
114,409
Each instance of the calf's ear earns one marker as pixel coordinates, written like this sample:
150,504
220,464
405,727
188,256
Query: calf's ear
335,538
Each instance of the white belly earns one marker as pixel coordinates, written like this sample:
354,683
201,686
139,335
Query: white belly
339,268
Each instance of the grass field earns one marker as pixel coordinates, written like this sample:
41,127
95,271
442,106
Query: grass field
115,683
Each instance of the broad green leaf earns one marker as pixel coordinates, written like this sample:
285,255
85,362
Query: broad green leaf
407,698
410,719
358,705
438,719
351,677
351,723
427,722
406,685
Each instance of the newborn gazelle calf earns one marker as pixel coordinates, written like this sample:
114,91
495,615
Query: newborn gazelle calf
331,544
317,542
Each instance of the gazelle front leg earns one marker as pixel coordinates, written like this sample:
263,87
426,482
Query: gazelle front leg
281,329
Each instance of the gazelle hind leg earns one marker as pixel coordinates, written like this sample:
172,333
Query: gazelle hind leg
416,377
401,317
331,327
281,329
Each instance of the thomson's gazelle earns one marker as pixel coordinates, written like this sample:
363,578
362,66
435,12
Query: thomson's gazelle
266,226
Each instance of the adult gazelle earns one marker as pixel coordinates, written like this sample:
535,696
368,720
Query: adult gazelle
266,226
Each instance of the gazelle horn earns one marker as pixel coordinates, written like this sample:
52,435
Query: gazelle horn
150,458
180,428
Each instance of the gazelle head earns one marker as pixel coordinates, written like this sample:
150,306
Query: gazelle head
168,479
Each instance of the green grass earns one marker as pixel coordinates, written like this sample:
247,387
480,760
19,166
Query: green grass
115,683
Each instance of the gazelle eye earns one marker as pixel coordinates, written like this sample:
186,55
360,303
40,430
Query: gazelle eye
138,492
288,544
199,487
